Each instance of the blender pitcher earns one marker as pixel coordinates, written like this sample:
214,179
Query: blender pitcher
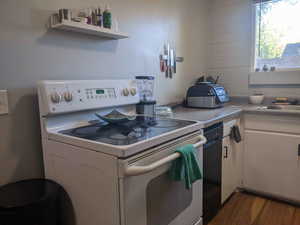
147,104
146,88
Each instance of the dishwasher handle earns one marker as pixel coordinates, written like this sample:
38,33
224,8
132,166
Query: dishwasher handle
139,170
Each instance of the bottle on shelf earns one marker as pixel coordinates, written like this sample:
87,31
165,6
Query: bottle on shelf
94,17
107,18
99,17
89,16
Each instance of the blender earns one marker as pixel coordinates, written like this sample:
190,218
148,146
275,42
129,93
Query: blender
147,103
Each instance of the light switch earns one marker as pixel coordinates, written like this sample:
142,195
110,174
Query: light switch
3,102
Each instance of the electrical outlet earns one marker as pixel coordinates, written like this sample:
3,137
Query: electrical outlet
3,102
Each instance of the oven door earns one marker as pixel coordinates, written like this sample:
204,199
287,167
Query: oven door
150,197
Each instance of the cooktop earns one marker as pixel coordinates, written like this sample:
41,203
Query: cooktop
129,132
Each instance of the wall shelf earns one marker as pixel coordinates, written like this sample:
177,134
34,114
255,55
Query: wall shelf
68,25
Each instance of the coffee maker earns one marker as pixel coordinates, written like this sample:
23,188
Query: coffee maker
147,103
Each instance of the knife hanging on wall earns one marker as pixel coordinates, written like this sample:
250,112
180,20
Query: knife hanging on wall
172,59
169,61
175,61
166,58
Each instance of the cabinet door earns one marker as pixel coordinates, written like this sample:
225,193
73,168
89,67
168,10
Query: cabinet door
229,169
271,163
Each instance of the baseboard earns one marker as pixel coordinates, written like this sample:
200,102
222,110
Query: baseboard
271,196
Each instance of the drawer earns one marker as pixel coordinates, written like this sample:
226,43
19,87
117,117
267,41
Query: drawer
273,123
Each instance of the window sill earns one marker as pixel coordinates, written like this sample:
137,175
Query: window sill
275,78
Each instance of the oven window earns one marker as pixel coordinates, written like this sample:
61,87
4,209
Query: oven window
166,199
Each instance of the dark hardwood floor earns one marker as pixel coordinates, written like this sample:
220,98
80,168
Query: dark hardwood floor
246,209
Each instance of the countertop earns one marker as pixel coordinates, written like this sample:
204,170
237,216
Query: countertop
208,116
261,109
230,110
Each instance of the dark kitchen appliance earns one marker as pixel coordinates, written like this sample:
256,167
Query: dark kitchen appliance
206,95
212,171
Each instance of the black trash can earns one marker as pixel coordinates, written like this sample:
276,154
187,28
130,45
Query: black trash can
30,202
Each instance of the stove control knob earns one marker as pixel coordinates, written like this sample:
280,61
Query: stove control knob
133,91
126,92
68,96
55,97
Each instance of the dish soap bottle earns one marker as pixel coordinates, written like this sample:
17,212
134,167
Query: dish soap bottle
107,18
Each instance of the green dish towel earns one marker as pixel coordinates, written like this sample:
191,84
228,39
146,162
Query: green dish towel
186,167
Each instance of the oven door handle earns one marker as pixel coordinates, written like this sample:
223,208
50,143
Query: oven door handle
139,170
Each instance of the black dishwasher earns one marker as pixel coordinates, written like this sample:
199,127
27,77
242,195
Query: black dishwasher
212,171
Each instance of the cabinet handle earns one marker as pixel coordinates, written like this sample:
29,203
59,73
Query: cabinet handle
226,152
299,150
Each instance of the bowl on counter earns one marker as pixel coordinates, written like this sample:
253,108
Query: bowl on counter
256,99
164,111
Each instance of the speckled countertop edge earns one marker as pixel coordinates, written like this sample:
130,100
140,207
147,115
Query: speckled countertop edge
261,109
207,116
229,111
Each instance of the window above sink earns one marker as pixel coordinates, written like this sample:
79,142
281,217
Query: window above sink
277,36
276,43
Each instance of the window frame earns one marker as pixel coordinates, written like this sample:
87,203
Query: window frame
254,47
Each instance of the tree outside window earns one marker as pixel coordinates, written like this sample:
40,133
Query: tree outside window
278,34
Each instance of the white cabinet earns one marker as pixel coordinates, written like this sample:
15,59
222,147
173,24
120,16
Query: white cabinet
272,163
228,170
231,162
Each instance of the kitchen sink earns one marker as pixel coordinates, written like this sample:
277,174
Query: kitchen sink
281,107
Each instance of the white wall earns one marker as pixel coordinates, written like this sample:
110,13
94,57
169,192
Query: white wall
230,47
30,53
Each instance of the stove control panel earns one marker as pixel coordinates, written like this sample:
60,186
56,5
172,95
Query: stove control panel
100,93
70,96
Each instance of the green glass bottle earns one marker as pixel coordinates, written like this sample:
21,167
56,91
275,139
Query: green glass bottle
107,18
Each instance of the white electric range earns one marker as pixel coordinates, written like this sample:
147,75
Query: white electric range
116,174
